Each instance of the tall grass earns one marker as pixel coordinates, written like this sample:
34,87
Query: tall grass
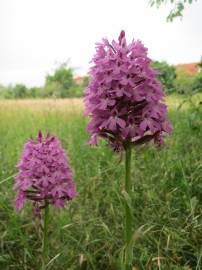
86,234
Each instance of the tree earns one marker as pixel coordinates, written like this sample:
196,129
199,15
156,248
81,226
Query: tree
19,91
85,81
198,82
167,74
177,9
184,83
52,89
60,82
200,65
33,92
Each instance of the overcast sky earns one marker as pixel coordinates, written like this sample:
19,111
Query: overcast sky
37,34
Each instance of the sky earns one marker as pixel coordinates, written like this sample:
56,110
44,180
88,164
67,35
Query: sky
37,35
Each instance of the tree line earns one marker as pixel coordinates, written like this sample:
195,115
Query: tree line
62,84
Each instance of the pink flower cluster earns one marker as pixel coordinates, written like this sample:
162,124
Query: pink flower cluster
44,174
124,98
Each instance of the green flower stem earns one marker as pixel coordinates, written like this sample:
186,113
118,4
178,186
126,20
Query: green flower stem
45,236
128,215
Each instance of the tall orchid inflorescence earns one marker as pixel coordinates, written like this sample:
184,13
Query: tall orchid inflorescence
124,98
125,102
44,174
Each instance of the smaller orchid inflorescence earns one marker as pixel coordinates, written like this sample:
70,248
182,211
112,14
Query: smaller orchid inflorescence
44,175
124,98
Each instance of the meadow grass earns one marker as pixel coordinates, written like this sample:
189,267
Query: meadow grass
87,234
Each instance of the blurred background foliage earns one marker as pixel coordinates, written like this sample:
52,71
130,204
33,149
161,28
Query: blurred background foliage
60,84
63,84
177,7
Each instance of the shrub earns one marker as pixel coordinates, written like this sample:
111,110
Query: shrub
59,84
198,82
188,84
167,75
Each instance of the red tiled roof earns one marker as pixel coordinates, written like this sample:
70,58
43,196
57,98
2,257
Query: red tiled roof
79,79
191,68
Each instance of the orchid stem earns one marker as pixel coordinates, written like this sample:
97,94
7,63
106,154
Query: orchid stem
128,214
45,236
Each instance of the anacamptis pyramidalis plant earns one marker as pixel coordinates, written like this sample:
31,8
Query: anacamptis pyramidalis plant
125,102
45,179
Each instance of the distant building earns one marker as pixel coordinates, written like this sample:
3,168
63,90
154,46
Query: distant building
191,68
79,80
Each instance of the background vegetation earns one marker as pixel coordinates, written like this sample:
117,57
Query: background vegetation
62,83
177,7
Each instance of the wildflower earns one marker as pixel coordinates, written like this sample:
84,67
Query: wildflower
44,175
125,102
124,98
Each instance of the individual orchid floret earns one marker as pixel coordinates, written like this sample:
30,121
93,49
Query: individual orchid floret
124,99
44,176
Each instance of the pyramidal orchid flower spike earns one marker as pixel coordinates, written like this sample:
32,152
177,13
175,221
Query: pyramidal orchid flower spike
124,98
44,178
125,102
44,174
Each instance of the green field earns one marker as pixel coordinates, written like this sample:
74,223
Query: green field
87,233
